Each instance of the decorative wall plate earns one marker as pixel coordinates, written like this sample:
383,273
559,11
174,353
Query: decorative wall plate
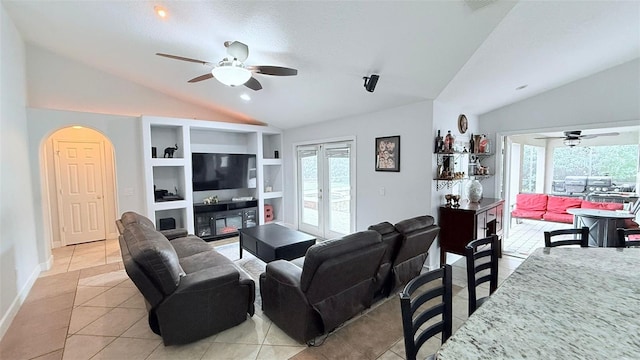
463,124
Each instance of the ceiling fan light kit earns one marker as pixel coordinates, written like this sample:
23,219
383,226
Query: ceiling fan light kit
571,142
231,73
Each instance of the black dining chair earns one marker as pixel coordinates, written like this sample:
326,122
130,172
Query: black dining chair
482,266
623,238
435,284
579,237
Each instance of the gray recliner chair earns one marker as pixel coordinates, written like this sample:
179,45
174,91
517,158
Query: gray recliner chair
392,240
408,244
191,290
418,234
335,283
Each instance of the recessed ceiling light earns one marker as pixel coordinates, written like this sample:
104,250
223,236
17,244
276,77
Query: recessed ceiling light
521,87
162,12
245,97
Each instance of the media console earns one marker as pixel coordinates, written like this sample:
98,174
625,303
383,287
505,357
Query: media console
224,219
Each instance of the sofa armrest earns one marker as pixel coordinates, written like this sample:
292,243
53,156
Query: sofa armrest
174,233
209,278
284,272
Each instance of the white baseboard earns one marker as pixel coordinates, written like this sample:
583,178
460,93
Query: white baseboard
47,264
11,313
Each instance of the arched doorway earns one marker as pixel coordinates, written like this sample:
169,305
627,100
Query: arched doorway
80,186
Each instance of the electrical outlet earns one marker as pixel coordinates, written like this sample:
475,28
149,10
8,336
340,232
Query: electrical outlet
381,191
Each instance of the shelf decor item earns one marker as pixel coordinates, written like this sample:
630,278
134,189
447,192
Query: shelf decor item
463,123
456,200
474,191
448,142
438,143
448,197
168,152
388,153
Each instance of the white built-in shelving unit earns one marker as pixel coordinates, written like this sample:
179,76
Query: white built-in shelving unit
271,191
174,174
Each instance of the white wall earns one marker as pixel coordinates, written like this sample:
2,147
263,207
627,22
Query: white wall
125,136
56,82
19,263
63,92
407,193
610,98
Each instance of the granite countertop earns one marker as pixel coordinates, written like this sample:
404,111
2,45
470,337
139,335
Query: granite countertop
561,303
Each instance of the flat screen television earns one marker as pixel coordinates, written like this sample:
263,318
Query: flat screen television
223,171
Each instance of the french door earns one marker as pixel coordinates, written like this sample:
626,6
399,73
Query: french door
326,189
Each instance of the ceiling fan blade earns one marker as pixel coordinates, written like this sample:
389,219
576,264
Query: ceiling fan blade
201,77
253,84
237,49
273,70
607,134
182,58
549,137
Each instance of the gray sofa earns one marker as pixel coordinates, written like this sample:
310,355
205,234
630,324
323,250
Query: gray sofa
190,289
339,278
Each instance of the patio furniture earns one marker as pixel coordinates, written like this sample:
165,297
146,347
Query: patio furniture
602,224
577,237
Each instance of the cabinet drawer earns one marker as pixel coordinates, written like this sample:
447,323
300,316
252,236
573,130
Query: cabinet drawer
491,214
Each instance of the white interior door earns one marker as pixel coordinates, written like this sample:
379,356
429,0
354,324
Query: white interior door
80,191
326,189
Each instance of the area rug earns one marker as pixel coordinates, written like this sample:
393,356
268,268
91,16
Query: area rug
249,263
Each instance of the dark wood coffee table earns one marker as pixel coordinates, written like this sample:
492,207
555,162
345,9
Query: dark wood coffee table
274,242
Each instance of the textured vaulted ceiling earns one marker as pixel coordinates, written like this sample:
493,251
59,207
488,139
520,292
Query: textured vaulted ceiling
469,56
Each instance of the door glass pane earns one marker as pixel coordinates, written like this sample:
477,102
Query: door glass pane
339,191
309,185
529,169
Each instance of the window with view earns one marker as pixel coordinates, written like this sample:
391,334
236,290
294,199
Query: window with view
606,168
532,169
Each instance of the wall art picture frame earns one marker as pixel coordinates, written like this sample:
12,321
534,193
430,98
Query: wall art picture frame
388,153
463,123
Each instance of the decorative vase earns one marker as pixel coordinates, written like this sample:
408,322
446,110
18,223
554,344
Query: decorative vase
474,191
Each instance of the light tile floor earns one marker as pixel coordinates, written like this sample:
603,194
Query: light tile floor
86,307
528,235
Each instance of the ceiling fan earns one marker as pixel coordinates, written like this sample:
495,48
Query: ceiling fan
232,70
572,138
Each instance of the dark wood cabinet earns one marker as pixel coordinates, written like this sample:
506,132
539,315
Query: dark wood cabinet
470,221
223,219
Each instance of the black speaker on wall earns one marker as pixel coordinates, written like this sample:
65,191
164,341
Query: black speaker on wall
370,82
167,223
